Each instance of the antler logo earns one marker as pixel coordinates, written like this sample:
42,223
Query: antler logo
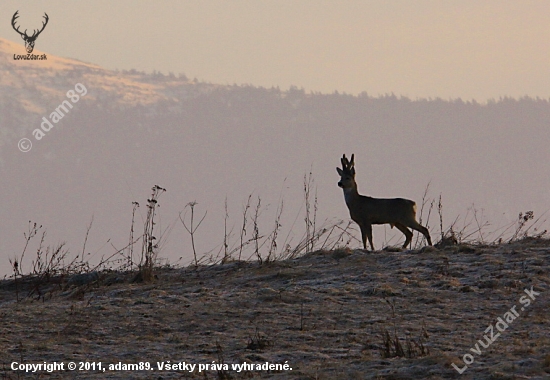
29,40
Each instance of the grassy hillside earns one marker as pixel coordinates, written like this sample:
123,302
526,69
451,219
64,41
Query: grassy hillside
339,314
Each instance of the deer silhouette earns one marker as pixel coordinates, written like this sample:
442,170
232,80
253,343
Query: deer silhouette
366,211
29,40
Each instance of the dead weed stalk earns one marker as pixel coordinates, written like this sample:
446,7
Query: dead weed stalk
150,245
191,229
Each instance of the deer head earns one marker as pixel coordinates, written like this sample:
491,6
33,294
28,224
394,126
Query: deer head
29,40
347,173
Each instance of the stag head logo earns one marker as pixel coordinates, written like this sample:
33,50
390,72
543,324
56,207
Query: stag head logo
29,40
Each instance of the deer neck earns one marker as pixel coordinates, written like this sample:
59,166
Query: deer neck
351,195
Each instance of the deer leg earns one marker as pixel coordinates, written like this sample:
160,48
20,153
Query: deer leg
423,230
407,232
366,233
363,237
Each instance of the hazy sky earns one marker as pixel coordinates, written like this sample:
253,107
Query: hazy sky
467,48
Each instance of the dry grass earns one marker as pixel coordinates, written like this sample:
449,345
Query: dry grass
329,314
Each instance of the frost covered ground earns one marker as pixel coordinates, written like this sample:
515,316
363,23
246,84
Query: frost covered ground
328,315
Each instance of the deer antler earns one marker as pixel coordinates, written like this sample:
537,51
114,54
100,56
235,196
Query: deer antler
346,164
15,17
24,34
36,33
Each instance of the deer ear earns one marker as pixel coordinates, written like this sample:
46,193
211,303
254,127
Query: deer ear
352,162
22,37
340,172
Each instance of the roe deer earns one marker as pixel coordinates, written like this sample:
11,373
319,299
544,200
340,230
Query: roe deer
366,211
